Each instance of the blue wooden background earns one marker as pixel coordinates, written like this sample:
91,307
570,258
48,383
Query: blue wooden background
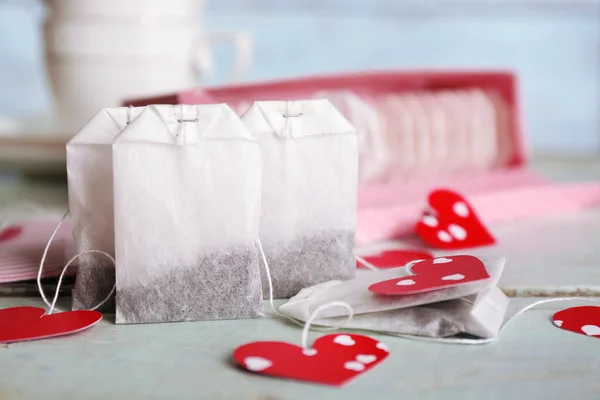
553,45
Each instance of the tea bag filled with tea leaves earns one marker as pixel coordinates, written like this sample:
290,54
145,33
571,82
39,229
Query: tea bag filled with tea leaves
187,208
475,308
309,192
90,179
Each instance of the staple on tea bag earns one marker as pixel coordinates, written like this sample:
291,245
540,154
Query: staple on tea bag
187,208
476,308
90,180
309,192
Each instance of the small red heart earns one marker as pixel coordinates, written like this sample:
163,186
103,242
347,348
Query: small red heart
439,273
584,320
333,359
18,324
10,232
453,224
394,258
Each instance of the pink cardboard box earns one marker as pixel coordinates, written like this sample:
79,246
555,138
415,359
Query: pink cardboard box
390,209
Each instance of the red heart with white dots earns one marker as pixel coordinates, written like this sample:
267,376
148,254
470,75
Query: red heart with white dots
429,275
451,223
394,258
584,320
332,360
10,232
18,324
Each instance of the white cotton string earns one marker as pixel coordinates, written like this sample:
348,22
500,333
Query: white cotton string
65,270
372,267
41,269
409,265
271,300
506,323
366,264
43,260
317,311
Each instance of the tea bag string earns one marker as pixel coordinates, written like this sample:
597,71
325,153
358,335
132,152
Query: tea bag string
504,325
365,263
64,270
306,325
368,265
317,311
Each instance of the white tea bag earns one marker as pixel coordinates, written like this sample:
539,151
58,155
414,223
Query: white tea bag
187,208
309,192
475,308
90,180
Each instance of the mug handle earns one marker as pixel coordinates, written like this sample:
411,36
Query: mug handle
243,45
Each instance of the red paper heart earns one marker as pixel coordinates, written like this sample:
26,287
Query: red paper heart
453,223
584,320
10,232
333,359
439,273
18,324
394,258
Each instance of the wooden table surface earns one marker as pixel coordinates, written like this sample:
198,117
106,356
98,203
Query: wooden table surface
532,360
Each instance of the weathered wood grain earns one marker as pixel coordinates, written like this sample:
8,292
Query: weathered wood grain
532,360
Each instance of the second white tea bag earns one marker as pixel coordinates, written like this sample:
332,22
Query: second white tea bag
90,180
187,207
309,192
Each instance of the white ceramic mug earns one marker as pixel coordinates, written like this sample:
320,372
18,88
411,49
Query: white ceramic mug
100,52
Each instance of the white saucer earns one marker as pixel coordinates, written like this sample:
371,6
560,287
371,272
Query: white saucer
34,143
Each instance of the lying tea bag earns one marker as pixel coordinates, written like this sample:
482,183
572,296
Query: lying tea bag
475,308
90,180
309,192
187,208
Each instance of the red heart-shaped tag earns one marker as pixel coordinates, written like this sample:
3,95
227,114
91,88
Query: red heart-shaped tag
19,324
333,359
394,258
439,273
584,320
451,223
10,232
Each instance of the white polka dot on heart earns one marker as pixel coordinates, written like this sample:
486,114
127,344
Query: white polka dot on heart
430,220
460,209
382,346
344,340
365,358
257,363
458,232
444,236
354,366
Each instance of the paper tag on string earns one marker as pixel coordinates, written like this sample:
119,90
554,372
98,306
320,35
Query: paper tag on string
9,233
436,274
333,359
450,223
18,324
584,320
